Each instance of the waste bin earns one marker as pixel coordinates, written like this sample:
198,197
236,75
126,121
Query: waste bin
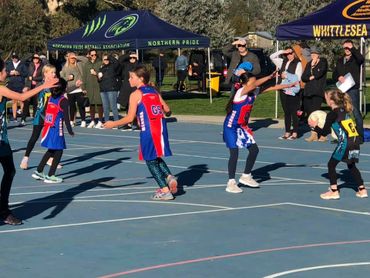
214,84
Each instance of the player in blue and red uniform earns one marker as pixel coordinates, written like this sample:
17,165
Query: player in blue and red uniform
237,134
52,136
148,106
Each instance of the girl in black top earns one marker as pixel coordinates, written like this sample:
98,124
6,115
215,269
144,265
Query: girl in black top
6,154
348,149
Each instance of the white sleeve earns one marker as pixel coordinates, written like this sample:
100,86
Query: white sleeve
276,59
299,70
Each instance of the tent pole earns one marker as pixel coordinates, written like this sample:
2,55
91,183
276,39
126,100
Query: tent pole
276,92
47,54
361,75
209,74
57,54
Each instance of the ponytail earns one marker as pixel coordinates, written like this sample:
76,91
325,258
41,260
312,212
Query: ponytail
341,99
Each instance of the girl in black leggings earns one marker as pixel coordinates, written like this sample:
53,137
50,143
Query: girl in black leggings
6,154
348,148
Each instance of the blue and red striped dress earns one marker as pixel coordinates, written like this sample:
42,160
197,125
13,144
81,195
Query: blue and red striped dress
153,128
236,133
52,136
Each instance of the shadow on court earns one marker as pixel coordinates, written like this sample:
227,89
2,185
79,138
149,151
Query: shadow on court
88,156
59,201
190,176
261,123
345,177
103,165
263,173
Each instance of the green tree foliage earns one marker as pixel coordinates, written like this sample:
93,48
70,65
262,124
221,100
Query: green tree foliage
244,15
23,26
199,16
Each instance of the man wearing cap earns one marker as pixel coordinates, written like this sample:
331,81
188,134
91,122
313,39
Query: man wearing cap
351,63
17,72
239,55
34,77
314,75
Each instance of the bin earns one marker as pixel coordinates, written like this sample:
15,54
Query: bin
214,84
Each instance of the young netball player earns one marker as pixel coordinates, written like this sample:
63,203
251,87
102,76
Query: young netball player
237,134
148,106
348,147
6,154
48,72
52,136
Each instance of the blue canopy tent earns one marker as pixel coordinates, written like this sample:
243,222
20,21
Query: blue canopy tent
341,19
123,30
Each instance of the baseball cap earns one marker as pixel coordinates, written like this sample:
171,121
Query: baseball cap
315,49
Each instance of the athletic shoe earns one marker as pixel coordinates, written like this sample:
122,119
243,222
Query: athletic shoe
24,163
248,180
159,195
22,123
38,176
362,193
83,124
232,187
50,162
53,179
12,220
172,184
126,128
330,195
91,125
99,125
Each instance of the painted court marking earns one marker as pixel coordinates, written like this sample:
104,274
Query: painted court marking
315,268
223,209
198,260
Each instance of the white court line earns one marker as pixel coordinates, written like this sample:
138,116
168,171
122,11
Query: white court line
132,218
315,268
196,187
156,202
330,209
171,215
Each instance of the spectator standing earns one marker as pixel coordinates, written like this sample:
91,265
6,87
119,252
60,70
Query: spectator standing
127,64
159,64
91,85
351,63
34,77
237,56
72,73
181,66
17,73
109,82
314,76
290,103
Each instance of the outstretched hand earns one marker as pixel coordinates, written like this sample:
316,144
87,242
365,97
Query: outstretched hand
109,124
51,83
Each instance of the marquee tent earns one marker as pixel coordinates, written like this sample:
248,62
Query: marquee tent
339,20
113,30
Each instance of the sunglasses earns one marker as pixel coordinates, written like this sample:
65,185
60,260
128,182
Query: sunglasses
105,59
241,45
290,53
92,54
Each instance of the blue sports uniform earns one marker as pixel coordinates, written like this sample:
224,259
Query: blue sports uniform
236,133
52,136
42,101
153,135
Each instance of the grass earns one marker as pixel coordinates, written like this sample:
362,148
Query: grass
199,104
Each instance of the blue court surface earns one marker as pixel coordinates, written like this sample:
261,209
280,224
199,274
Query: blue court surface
101,222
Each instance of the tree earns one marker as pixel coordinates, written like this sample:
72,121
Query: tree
23,25
199,16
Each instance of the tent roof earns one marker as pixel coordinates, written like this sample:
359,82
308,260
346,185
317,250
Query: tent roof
114,30
340,19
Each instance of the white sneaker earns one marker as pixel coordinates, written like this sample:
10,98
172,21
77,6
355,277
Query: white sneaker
248,180
72,123
99,125
91,125
232,187
83,124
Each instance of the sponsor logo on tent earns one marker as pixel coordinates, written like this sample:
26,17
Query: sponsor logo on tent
94,26
122,25
344,31
358,10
